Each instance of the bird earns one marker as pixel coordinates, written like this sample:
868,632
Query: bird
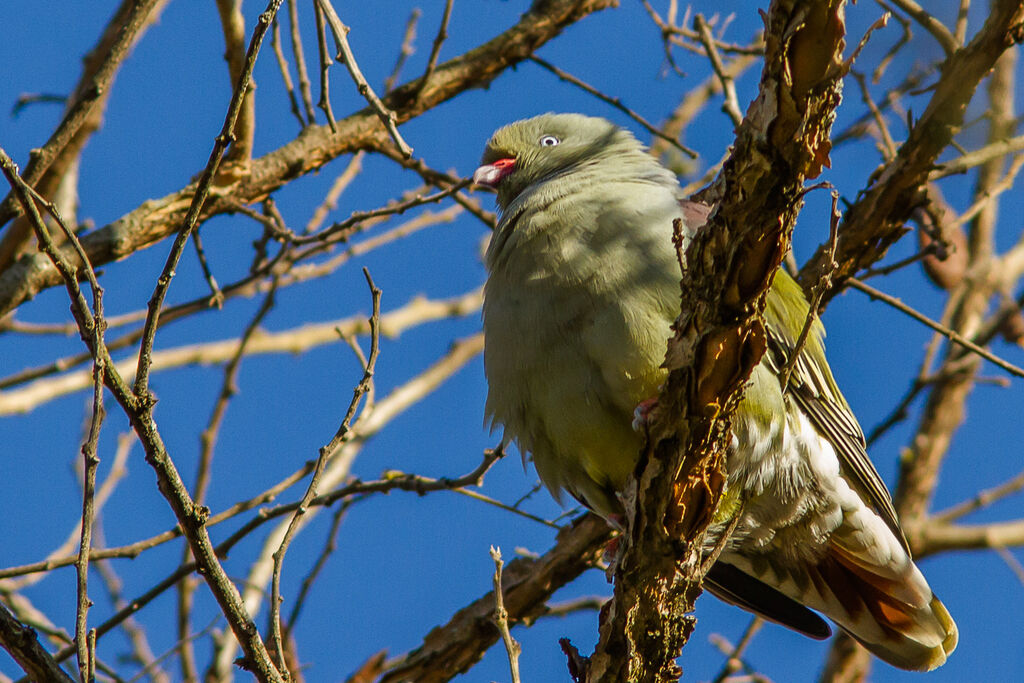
583,284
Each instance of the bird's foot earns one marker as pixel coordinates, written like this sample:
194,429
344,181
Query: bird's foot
642,413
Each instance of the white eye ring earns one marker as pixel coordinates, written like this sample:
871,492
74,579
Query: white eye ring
548,141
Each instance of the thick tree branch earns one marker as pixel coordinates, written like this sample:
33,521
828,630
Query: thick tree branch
877,218
314,147
719,338
82,117
23,645
455,647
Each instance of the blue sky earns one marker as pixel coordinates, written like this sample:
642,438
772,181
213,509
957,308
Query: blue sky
406,563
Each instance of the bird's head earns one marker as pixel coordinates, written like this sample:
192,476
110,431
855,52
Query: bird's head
544,146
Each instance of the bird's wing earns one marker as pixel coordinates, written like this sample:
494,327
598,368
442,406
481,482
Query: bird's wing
813,388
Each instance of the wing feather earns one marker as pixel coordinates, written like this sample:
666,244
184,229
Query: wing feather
815,391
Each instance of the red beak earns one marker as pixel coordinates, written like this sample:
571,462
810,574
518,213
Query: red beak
492,174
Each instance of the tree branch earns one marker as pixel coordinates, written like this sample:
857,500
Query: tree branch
313,148
719,338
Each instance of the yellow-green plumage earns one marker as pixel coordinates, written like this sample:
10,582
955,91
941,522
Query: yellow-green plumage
582,289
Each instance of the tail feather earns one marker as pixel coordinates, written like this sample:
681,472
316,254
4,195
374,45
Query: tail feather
738,588
899,576
916,634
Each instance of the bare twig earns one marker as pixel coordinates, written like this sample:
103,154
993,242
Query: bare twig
1011,561
946,40
951,334
407,50
90,462
435,49
817,291
330,545
965,162
387,117
134,632
730,105
512,648
981,499
206,180
735,662
355,165
286,77
22,644
233,26
326,452
208,440
325,63
216,296
888,146
300,62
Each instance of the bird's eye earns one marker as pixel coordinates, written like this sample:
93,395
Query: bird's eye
548,141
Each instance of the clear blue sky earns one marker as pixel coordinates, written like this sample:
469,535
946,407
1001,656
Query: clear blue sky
406,563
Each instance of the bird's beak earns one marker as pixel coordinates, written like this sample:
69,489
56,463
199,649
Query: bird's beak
492,174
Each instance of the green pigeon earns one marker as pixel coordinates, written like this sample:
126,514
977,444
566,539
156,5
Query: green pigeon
582,287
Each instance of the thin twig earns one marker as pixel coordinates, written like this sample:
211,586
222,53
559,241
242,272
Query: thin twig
286,77
735,662
512,647
386,116
1011,561
325,63
818,290
340,436
392,209
888,146
967,161
929,250
216,296
136,635
946,40
476,495
991,193
435,49
981,499
208,440
897,414
330,545
945,331
206,180
354,167
407,50
730,104
300,62
90,463
588,603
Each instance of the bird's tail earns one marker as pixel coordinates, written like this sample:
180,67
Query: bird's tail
894,614
889,609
